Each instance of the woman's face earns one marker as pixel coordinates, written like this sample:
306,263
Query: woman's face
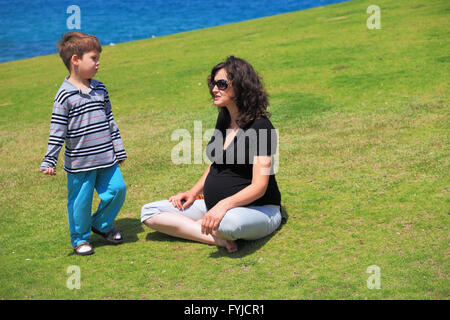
224,97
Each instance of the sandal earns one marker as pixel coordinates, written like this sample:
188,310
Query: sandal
112,236
83,249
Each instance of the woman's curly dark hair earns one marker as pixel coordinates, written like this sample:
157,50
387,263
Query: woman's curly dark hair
250,97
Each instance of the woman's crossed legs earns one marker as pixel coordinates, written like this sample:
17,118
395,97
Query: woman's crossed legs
249,223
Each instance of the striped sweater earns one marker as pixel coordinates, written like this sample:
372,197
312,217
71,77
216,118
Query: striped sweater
84,121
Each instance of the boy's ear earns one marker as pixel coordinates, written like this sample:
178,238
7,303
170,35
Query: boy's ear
74,60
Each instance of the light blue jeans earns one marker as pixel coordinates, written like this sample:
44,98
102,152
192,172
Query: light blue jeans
111,190
249,223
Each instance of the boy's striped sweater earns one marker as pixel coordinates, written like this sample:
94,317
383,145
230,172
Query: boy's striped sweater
84,121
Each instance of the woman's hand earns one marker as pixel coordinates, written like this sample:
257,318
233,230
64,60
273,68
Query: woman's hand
182,200
212,218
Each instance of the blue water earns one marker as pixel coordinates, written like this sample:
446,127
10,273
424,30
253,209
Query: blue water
32,28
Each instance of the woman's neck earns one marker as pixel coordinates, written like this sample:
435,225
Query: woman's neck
234,116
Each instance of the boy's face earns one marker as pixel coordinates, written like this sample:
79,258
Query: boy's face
87,65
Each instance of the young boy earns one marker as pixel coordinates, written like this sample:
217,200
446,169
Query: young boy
82,118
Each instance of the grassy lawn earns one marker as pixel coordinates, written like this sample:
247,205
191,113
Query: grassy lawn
363,119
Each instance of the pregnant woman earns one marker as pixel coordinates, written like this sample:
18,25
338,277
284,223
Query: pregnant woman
241,196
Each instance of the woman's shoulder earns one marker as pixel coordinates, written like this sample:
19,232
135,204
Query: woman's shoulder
262,123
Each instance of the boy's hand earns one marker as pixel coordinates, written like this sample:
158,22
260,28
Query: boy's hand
49,171
121,161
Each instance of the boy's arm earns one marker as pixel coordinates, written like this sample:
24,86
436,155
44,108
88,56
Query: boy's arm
58,131
115,133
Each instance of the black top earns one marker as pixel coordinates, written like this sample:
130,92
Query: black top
232,169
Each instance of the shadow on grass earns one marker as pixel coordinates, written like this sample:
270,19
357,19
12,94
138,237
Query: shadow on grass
247,247
129,228
244,247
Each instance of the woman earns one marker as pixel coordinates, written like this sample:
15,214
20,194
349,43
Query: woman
241,196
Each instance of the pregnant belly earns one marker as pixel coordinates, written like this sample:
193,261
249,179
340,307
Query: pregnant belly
217,188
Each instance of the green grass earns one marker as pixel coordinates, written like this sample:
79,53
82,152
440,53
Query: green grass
363,119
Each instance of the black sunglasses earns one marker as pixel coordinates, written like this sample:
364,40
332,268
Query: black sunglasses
221,84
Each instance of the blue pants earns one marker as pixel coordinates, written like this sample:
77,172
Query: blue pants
109,184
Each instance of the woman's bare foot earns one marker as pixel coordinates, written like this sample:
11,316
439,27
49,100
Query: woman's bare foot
221,242
231,246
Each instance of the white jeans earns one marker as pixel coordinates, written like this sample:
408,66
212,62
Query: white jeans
249,223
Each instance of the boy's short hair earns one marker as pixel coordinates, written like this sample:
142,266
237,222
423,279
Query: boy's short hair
77,43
